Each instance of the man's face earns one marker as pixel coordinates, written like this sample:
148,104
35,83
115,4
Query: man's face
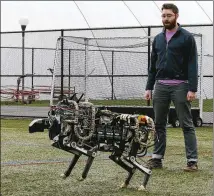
169,19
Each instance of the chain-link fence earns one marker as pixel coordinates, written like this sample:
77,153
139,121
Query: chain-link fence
128,81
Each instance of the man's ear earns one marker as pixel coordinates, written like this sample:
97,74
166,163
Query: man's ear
176,15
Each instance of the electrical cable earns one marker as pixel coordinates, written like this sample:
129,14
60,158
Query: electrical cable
135,17
96,43
156,6
204,11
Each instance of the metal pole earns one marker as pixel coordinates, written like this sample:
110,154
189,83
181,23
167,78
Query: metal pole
112,76
149,55
17,90
32,85
86,66
23,63
69,72
62,64
201,81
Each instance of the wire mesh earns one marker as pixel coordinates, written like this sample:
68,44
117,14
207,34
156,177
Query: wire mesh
40,53
109,57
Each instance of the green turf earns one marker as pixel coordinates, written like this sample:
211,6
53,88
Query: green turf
104,178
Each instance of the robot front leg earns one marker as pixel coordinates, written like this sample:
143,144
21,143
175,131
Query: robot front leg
71,166
87,167
127,180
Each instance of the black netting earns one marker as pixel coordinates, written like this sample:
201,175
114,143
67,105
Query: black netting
107,57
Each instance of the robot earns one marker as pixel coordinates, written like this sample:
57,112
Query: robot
80,128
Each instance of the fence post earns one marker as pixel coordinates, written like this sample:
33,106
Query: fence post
112,77
69,72
201,80
62,64
86,68
32,83
149,51
23,64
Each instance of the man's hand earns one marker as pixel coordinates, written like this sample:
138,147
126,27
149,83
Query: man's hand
148,95
191,96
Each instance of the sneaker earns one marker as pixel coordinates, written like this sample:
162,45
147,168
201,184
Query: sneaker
155,164
191,167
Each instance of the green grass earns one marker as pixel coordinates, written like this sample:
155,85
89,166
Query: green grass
104,178
207,104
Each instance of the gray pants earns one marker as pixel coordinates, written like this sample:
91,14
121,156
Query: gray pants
163,95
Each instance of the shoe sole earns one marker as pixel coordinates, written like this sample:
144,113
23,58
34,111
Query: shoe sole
190,170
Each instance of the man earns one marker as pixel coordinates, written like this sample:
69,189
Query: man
174,72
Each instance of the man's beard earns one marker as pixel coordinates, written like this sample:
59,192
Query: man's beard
170,25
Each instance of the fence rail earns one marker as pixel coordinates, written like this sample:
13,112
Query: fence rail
40,52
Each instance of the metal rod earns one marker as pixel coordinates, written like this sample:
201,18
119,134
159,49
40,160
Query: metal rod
86,67
112,76
201,80
69,72
23,64
62,65
149,56
32,84
92,76
76,49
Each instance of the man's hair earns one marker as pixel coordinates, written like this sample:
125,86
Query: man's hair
170,6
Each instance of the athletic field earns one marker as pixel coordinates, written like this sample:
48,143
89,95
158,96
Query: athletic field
30,166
